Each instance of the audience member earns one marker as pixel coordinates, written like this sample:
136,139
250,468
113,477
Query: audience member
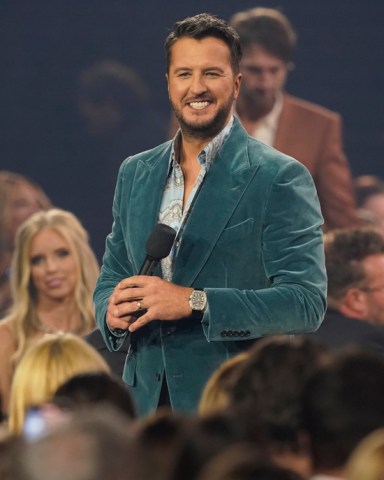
369,191
86,389
303,130
46,365
215,395
93,445
212,435
116,121
54,272
267,390
158,438
20,197
367,460
342,403
355,266
9,445
242,462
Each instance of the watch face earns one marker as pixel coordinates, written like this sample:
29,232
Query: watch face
198,300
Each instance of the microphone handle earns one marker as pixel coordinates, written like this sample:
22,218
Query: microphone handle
149,266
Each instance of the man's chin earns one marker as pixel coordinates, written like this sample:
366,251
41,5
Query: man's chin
201,129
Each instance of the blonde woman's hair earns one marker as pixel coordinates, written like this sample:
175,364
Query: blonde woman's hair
47,364
367,460
23,312
215,395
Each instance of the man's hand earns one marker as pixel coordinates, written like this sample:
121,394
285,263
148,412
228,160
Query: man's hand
150,297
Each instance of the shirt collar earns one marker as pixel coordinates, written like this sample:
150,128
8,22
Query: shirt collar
270,120
209,152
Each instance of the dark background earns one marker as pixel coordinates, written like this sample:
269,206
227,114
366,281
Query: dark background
44,45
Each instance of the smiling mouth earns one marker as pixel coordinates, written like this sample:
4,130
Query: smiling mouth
199,105
54,283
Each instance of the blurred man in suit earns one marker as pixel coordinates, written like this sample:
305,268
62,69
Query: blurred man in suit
303,130
355,265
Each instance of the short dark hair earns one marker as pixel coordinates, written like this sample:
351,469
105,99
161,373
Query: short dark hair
205,25
345,250
342,403
267,27
111,80
367,186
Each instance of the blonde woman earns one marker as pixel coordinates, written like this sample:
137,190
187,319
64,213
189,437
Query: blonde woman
46,365
53,276
216,393
20,197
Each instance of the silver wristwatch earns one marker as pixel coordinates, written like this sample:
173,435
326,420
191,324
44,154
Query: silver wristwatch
198,302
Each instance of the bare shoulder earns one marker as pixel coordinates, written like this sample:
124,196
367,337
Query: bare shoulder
7,335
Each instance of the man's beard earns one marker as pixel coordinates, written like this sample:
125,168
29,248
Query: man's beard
208,129
256,103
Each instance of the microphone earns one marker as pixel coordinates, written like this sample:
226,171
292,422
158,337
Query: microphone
158,246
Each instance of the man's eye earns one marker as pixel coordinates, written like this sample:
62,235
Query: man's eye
183,74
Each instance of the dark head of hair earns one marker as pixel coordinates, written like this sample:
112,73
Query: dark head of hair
244,462
87,389
94,444
209,436
113,82
342,403
367,186
202,26
345,250
268,28
271,381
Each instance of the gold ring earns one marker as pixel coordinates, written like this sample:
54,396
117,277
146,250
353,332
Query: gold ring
139,306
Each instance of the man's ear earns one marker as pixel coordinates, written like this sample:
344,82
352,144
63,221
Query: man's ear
355,304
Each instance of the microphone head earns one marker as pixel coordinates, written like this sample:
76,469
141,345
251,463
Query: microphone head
160,241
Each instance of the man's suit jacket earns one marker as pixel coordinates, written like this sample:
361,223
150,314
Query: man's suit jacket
313,135
339,331
253,241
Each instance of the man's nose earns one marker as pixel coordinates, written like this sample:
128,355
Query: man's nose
198,85
267,80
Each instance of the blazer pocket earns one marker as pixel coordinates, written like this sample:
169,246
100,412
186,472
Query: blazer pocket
238,231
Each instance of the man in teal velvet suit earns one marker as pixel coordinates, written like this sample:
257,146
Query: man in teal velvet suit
248,257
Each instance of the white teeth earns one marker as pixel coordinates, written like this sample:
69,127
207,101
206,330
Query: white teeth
199,105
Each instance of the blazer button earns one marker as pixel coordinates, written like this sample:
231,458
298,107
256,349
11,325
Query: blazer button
236,333
223,333
247,333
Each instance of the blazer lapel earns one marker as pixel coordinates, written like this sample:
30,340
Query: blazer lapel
221,192
284,132
147,191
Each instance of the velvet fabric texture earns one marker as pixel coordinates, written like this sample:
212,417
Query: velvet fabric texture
253,241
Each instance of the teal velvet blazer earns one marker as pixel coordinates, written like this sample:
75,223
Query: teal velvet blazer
253,241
